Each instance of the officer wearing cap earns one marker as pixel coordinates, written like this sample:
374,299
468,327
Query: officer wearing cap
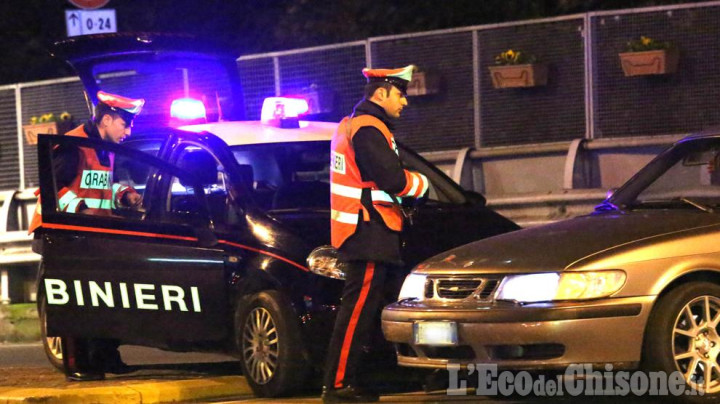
367,181
112,122
75,168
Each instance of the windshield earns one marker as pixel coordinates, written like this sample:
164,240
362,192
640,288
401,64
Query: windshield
685,176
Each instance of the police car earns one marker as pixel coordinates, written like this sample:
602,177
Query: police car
226,253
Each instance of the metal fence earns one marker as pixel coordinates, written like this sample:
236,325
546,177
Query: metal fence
586,95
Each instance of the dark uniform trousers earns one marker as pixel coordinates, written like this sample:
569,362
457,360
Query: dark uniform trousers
357,318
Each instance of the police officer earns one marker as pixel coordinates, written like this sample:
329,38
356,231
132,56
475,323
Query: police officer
367,182
84,179
83,175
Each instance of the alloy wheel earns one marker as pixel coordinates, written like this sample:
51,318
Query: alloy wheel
696,343
54,346
260,345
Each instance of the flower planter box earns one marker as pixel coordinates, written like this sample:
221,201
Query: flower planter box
662,61
46,128
509,76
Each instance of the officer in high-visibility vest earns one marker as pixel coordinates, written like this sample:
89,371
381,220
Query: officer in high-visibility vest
84,179
367,181
84,176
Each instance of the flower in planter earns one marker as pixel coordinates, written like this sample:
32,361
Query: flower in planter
645,43
511,57
65,117
50,117
517,69
646,56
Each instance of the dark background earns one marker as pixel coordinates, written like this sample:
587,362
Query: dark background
28,27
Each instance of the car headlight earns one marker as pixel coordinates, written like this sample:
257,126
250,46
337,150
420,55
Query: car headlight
324,261
560,286
413,287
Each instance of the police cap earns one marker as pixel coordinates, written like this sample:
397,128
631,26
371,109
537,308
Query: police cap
397,77
126,107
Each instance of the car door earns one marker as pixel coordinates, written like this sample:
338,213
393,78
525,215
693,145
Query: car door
141,276
447,218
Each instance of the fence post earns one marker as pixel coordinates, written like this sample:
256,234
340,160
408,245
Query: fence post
19,120
589,93
476,88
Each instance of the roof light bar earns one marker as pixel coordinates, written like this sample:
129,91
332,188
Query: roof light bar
283,111
187,109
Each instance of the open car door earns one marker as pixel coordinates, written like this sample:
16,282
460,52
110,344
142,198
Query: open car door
140,276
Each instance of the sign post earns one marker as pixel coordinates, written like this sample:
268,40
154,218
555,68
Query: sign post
88,22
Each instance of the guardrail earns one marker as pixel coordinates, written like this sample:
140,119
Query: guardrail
574,198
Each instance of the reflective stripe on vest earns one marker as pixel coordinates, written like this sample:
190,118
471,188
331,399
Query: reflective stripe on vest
417,185
98,203
72,207
377,195
65,200
344,217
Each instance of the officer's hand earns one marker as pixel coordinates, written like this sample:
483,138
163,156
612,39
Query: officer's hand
132,200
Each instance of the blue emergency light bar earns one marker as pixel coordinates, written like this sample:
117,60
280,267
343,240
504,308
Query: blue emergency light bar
187,109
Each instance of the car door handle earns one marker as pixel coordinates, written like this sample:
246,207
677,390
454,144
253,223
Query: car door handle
233,259
233,264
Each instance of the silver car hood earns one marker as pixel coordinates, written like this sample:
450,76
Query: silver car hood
557,246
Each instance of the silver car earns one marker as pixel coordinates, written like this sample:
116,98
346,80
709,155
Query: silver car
635,284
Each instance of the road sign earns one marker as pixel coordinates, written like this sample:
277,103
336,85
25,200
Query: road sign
88,22
89,4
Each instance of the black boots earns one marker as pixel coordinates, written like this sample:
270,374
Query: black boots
349,394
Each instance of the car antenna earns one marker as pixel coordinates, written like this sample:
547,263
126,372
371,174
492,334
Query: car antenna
89,104
217,101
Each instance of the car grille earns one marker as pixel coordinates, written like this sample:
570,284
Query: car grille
479,288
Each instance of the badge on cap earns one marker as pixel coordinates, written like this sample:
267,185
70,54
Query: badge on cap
397,77
130,105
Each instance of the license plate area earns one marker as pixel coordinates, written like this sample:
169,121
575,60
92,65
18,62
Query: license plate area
435,333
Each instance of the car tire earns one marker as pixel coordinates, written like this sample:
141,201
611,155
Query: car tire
678,339
268,339
51,345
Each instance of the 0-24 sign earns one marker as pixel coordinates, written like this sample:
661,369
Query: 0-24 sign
88,22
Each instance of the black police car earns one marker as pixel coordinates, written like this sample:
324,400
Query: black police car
215,260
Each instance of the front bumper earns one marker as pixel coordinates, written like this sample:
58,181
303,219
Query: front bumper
538,336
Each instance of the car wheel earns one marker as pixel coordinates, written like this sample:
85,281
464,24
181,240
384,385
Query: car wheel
51,345
270,345
682,335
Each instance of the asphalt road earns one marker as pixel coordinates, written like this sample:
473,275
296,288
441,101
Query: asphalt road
31,358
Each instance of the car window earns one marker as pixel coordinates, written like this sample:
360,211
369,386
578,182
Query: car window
442,188
685,176
215,184
95,178
292,175
687,179
150,146
129,172
132,172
